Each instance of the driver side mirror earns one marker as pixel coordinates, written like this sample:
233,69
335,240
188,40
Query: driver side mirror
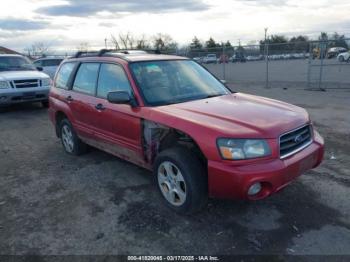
39,68
121,97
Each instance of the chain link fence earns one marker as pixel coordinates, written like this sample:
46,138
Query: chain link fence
314,64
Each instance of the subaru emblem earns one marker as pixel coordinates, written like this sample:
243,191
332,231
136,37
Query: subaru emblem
298,138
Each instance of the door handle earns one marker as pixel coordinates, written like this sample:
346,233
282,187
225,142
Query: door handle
69,98
100,107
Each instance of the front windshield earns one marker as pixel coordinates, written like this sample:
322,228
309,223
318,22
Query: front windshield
175,81
13,63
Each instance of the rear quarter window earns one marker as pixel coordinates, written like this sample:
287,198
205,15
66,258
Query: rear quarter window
63,75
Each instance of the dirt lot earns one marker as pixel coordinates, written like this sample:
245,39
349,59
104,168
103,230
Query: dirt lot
54,203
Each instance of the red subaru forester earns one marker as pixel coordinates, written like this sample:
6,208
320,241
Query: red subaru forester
168,114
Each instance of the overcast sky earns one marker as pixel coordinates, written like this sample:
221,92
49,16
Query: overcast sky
66,23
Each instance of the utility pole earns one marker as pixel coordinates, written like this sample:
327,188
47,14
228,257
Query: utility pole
266,59
106,43
223,59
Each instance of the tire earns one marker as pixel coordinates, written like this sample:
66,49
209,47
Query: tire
341,58
189,184
70,141
45,104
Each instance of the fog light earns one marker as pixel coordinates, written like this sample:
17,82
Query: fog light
254,189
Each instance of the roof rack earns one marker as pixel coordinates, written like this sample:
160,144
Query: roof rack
85,53
114,52
104,51
129,51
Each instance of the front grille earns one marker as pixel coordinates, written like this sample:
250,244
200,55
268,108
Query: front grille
295,140
26,83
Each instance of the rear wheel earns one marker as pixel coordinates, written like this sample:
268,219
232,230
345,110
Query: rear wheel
70,141
181,179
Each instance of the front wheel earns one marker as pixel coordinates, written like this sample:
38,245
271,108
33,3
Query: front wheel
181,179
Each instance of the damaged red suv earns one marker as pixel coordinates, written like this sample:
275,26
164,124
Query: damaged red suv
170,115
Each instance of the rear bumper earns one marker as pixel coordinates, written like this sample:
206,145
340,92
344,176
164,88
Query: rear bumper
14,97
230,181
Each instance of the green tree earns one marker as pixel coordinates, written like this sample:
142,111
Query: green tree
228,44
278,39
323,36
196,43
211,43
300,38
299,43
277,44
338,41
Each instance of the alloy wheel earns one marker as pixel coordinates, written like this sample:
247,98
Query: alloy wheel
67,138
172,183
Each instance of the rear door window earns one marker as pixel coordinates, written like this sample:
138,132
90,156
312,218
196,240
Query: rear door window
63,75
112,78
86,78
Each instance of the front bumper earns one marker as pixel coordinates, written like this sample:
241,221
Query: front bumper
8,97
231,181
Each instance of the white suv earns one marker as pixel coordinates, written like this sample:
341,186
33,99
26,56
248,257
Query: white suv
20,81
48,65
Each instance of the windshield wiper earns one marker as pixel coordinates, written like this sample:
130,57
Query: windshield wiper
187,99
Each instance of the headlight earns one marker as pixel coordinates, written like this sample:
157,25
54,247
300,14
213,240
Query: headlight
46,82
4,85
237,149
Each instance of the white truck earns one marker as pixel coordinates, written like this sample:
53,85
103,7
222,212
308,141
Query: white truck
21,82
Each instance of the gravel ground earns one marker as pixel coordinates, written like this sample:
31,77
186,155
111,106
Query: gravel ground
52,203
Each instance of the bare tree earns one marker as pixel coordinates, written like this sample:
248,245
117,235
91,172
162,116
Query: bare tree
163,41
127,41
83,47
115,42
142,43
130,40
37,49
123,41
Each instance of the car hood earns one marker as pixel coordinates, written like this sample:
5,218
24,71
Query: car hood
21,75
240,115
